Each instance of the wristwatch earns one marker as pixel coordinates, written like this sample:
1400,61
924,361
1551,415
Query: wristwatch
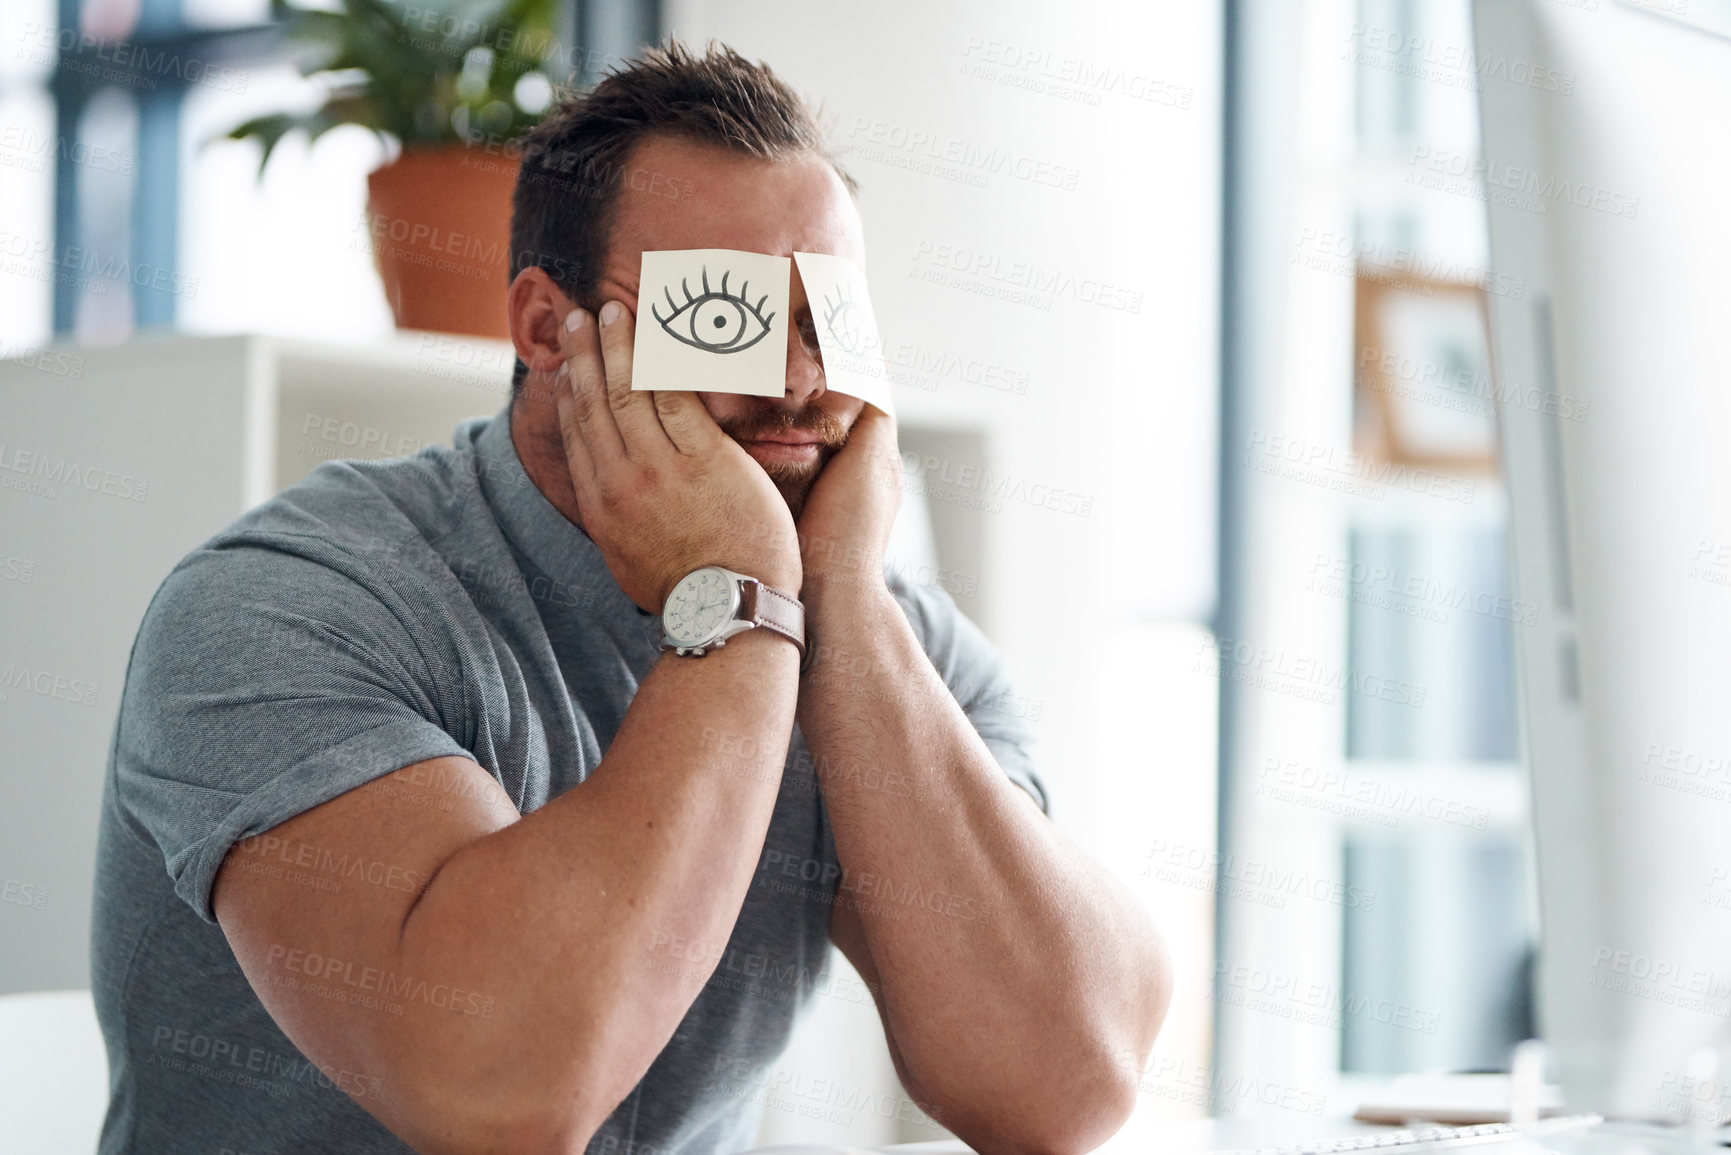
711,604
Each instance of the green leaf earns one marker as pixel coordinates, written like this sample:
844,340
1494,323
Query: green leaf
268,130
410,90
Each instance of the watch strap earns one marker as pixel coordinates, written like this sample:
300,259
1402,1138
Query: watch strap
766,606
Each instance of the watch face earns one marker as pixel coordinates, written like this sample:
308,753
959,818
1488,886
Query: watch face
698,606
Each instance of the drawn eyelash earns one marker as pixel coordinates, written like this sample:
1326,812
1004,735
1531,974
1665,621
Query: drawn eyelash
837,319
721,329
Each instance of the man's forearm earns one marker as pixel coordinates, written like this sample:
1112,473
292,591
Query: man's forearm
1019,972
565,916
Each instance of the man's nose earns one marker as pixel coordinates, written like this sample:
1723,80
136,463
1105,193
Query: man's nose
805,380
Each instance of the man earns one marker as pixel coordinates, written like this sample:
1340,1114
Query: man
414,838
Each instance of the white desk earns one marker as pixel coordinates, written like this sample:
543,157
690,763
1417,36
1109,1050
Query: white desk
1202,1136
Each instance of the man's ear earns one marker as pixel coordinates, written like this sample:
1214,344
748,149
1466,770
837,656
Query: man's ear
535,308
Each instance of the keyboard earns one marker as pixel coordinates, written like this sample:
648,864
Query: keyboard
1420,1136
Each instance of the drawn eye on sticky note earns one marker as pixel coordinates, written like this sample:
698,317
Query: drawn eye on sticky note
847,329
845,321
713,320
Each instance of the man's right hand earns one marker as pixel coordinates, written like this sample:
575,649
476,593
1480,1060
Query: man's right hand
660,488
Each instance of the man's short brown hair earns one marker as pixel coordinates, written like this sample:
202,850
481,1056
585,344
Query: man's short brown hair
574,162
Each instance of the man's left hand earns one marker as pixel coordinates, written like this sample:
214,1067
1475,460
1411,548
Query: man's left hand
845,526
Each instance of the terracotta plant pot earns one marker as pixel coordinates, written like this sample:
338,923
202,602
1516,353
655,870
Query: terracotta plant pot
440,220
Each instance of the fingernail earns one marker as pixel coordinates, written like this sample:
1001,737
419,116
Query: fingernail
609,312
574,320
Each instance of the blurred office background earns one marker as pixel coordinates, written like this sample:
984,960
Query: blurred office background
1252,351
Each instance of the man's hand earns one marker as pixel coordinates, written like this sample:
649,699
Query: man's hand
845,526
660,488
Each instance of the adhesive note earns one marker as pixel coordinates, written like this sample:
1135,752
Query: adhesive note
713,320
847,329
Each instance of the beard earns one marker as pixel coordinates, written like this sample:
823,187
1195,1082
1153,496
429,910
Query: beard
793,480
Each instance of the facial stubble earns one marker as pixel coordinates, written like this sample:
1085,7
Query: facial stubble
793,480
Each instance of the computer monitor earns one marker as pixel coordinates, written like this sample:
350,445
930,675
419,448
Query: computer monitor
1607,170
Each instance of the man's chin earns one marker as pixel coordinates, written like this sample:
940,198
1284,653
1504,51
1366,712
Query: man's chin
794,493
793,480
793,483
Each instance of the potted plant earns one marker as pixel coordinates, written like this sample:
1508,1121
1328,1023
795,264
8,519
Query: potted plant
455,85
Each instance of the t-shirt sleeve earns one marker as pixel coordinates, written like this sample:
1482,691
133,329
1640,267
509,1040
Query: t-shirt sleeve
980,681
261,684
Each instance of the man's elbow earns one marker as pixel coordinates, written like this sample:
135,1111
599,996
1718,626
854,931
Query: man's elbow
1068,1124
1150,996
465,1127
1081,1113
533,1137
437,1114
1062,1108
1091,1119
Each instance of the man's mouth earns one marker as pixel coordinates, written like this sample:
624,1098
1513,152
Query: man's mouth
788,439
787,447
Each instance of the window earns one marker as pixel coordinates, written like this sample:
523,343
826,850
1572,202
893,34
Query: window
1375,906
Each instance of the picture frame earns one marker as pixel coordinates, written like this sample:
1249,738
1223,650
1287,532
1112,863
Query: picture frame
1423,394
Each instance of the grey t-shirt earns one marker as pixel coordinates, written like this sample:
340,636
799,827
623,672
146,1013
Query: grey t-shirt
375,615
